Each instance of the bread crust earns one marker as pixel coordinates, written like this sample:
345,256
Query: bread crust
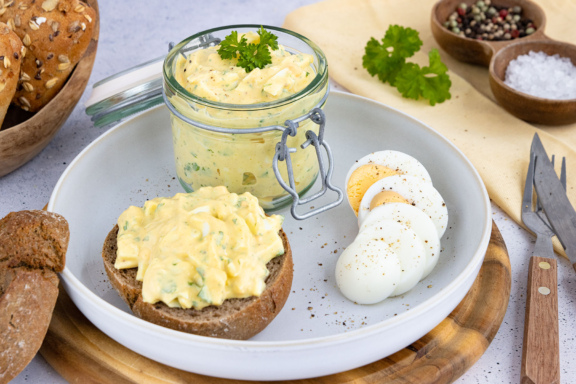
238,319
10,54
34,239
33,245
55,34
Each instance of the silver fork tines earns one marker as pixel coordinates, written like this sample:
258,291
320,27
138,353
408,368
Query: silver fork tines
532,214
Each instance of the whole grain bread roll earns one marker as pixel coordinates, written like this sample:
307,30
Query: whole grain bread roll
10,58
235,319
55,34
33,247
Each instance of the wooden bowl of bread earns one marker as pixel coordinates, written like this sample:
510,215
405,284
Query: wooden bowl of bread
48,48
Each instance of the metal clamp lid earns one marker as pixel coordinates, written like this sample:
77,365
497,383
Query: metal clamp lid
282,153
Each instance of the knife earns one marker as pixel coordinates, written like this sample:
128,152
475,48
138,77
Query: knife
540,347
557,207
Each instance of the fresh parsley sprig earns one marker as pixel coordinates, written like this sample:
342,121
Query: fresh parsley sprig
249,55
387,60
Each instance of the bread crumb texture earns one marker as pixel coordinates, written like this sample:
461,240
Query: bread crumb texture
33,246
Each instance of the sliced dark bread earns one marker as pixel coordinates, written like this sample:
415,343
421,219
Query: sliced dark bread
33,248
235,319
35,239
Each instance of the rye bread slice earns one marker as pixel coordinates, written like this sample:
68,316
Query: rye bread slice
33,248
238,319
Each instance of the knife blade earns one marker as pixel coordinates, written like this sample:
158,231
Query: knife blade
557,207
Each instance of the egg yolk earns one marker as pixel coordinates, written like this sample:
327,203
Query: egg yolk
361,179
387,197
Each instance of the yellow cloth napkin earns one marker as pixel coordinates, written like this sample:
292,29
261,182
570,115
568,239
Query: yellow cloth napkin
497,143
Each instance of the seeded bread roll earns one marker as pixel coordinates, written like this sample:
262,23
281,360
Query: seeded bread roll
55,34
10,52
33,247
235,319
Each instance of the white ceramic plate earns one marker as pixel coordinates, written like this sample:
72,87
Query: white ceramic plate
318,332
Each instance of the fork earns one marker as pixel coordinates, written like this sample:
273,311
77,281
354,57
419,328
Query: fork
540,349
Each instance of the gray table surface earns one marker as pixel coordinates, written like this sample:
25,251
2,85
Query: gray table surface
133,32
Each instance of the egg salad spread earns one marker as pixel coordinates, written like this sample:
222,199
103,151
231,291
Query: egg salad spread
205,74
198,249
243,162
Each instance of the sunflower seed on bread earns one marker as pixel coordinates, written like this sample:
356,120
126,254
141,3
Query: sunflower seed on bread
33,247
50,30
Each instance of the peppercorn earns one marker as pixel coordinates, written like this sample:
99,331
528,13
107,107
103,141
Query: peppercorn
486,21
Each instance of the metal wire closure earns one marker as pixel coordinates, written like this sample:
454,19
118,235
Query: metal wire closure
283,154
290,128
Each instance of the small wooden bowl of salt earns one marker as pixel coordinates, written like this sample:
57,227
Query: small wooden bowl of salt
521,68
536,81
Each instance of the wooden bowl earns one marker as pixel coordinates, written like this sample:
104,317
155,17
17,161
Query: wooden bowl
497,54
479,51
531,108
25,134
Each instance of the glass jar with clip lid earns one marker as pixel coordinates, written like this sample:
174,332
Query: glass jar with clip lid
233,128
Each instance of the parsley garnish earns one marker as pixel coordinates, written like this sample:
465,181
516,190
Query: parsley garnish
387,60
249,55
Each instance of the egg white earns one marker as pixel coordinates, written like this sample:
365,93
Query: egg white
406,245
414,219
368,271
400,162
421,195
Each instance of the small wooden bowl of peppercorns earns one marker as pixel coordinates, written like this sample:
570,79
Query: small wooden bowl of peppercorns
472,31
508,36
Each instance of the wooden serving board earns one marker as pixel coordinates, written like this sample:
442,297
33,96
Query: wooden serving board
81,353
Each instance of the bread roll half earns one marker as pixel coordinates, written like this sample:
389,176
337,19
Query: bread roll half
33,247
235,319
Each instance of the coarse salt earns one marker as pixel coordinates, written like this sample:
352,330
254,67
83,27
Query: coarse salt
541,75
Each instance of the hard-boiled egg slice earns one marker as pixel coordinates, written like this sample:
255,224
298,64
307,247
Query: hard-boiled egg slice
368,271
417,193
376,166
413,218
406,245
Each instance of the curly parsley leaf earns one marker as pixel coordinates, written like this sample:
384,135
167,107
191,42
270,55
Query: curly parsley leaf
431,83
249,55
230,46
405,42
268,38
408,81
387,60
378,61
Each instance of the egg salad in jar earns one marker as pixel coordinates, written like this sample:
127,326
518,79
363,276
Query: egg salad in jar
214,91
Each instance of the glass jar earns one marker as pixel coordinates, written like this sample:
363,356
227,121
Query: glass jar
243,161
